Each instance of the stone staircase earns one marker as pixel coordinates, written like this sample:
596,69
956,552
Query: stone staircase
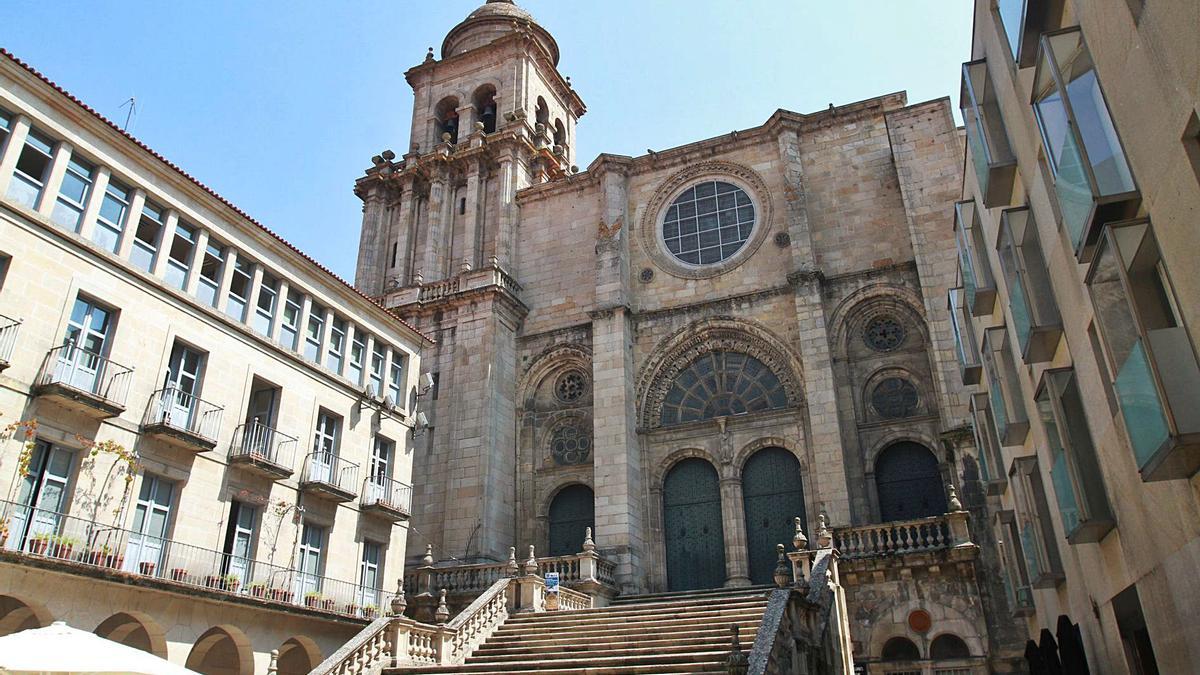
660,633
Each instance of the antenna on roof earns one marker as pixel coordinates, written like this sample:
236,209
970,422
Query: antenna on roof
132,103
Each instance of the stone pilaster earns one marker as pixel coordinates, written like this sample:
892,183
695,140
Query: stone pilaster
734,515
620,514
372,245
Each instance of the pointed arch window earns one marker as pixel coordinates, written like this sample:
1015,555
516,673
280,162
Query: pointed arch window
722,383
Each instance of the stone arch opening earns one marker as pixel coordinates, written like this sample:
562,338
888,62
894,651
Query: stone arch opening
908,482
17,615
900,649
134,629
948,646
772,497
447,118
541,114
560,133
485,107
692,526
222,650
571,512
298,655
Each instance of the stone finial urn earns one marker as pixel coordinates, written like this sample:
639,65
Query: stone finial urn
399,602
954,502
512,567
442,615
428,559
824,537
737,662
588,544
783,571
799,540
531,566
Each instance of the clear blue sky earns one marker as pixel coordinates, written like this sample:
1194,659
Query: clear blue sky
279,106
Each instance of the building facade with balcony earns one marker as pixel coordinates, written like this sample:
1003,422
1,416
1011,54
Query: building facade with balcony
1076,314
208,436
685,350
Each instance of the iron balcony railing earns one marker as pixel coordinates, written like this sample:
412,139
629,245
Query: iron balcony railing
177,409
330,469
8,337
259,441
86,372
386,492
43,533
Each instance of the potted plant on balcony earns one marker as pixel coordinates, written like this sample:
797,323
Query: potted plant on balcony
98,555
39,543
258,589
147,568
311,599
351,608
369,611
213,581
280,594
62,547
179,574
3,531
230,582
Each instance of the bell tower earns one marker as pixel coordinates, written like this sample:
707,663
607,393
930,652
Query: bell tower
439,247
492,116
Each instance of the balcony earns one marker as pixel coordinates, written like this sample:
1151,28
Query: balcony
8,339
1092,178
329,476
183,420
84,382
979,288
967,347
259,449
993,159
905,537
387,498
86,547
1031,300
1156,371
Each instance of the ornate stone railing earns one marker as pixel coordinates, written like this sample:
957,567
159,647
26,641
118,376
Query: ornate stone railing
569,599
438,290
903,537
476,623
367,652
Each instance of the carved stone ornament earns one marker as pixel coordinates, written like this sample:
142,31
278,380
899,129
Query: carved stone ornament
646,275
652,216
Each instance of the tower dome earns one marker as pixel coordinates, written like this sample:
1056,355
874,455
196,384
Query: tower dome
492,21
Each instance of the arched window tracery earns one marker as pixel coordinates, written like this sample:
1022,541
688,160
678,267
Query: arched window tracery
722,383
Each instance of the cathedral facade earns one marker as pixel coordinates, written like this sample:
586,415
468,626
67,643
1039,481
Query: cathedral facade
687,350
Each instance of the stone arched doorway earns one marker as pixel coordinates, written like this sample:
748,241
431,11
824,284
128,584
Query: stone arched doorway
772,496
221,650
17,615
695,539
908,482
297,656
572,511
134,630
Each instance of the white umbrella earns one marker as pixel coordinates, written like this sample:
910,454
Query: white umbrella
58,648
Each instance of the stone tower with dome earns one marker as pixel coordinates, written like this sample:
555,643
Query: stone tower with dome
684,350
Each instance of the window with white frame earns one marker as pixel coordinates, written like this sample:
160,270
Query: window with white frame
289,326
110,221
337,345
209,283
378,357
73,193
358,355
396,378
314,333
268,299
369,576
328,434
239,288
33,166
1074,468
179,258
147,236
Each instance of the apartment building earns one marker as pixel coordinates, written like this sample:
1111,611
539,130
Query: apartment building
1076,315
207,448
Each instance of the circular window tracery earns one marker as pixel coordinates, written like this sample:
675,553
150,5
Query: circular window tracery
894,398
884,334
571,386
571,444
708,223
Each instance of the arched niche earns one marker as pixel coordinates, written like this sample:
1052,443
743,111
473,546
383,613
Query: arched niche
17,615
137,630
298,655
222,650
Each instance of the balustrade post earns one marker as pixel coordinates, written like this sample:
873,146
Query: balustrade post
960,535
443,643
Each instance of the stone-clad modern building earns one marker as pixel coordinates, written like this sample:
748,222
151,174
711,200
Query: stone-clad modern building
688,349
1077,314
207,452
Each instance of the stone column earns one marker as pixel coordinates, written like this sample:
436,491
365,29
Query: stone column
372,244
170,222
137,202
469,258
87,221
733,516
400,232
430,256
54,179
12,150
620,516
280,304
513,176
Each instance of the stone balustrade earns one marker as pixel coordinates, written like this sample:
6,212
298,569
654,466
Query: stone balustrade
901,537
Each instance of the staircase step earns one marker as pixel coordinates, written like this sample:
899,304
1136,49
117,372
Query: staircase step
653,619
566,632
680,595
681,669
589,662
554,653
720,632
650,608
